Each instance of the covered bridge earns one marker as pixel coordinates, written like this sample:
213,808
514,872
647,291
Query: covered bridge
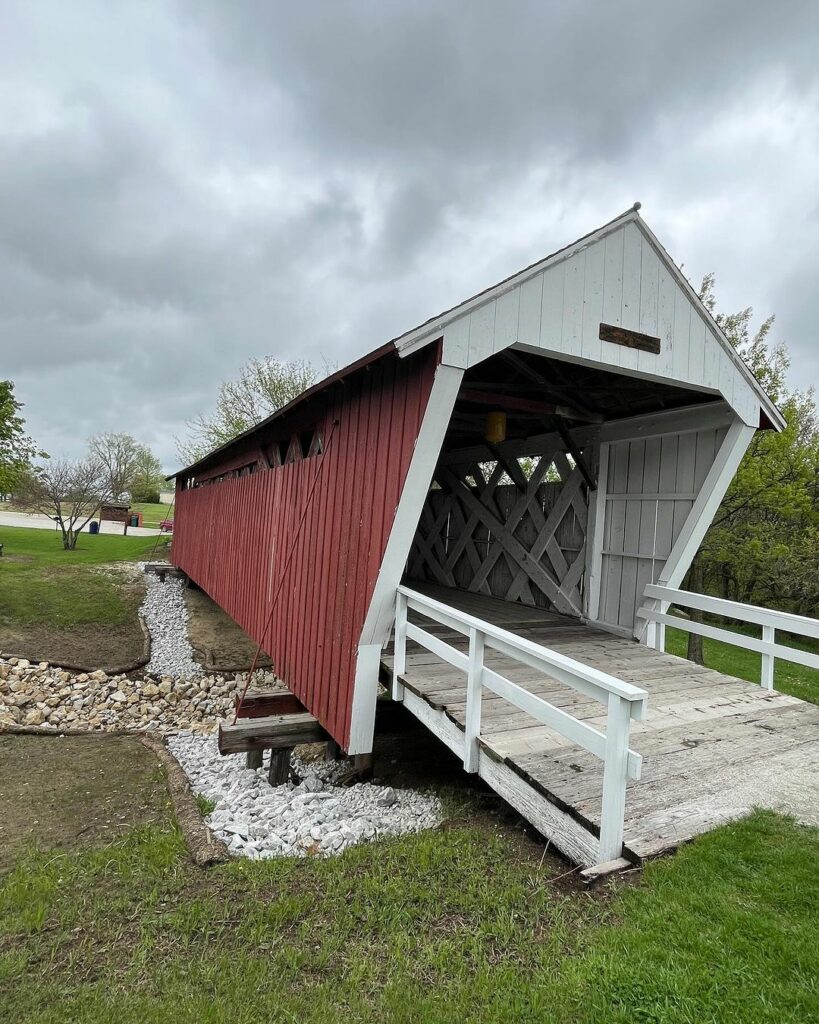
501,484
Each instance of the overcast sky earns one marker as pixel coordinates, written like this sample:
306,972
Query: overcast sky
184,185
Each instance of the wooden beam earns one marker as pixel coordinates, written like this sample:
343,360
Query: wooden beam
537,444
264,703
270,733
511,545
522,367
716,483
594,534
279,771
496,400
510,466
575,453
381,612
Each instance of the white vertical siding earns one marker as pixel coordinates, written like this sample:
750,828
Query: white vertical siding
618,279
651,488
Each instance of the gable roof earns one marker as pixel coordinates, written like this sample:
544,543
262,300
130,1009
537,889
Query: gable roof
433,328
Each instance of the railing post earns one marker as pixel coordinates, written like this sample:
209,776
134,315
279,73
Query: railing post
767,677
659,640
474,685
655,631
615,776
399,660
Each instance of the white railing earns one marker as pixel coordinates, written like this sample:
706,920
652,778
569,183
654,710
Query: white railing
661,597
622,700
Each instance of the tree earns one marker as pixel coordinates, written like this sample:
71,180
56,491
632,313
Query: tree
262,387
148,478
70,492
126,463
761,547
16,449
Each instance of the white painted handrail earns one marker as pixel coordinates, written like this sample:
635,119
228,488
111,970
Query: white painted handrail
660,597
622,700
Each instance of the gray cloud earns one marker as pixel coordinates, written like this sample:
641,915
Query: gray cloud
184,185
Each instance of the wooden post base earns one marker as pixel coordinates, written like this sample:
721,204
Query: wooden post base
279,766
254,759
363,765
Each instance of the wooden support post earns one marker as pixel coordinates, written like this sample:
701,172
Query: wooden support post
254,759
333,751
279,771
594,534
363,766
767,676
474,684
615,776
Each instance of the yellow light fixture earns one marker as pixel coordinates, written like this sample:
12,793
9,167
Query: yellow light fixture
495,427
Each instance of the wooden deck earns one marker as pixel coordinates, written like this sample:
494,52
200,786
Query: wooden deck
713,746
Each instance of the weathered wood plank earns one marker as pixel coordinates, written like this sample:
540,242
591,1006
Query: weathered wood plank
263,703
268,733
629,339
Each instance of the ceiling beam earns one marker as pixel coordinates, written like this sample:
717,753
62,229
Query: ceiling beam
513,403
517,363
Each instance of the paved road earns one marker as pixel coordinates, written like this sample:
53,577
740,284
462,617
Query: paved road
36,521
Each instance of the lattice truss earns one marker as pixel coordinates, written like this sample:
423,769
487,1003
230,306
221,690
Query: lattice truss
514,529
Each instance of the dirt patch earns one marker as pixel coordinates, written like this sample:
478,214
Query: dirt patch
64,792
87,647
84,646
219,644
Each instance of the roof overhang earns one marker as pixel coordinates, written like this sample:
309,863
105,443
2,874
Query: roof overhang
432,330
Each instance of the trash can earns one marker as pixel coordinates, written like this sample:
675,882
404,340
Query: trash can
134,520
93,526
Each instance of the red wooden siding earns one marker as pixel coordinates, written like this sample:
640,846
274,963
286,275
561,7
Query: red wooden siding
233,537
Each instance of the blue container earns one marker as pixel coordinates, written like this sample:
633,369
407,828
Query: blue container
93,526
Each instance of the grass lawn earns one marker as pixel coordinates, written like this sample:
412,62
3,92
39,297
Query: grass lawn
152,514
796,680
40,582
463,924
57,605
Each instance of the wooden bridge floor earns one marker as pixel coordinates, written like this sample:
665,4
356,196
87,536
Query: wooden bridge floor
714,747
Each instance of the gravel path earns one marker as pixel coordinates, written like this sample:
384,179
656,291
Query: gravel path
166,617
316,817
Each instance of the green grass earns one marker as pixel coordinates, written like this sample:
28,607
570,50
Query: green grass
40,582
205,804
796,680
152,514
444,926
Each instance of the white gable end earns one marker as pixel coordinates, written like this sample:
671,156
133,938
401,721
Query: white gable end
619,276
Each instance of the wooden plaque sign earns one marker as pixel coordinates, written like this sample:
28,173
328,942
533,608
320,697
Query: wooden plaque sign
631,339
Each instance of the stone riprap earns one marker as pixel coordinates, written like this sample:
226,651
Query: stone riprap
166,616
315,817
43,695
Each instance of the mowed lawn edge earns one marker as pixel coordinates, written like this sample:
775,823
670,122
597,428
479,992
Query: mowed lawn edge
451,925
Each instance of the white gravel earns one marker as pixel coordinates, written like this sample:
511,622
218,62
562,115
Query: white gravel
315,817
166,617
